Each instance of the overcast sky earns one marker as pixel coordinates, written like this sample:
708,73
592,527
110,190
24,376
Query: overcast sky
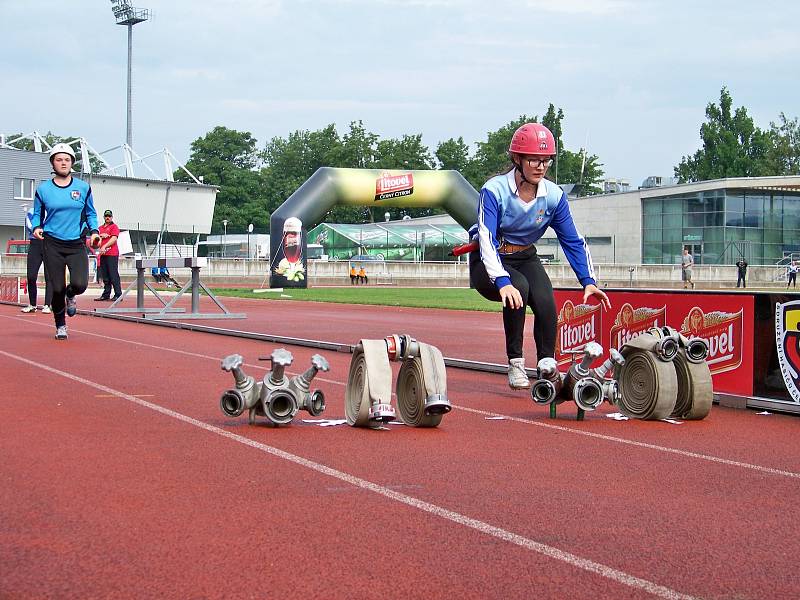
633,77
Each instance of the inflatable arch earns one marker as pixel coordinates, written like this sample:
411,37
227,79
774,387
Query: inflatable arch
329,187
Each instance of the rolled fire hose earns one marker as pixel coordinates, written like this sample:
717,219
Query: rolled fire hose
369,385
422,388
648,384
695,390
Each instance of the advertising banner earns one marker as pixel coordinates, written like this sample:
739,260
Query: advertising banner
724,321
289,263
374,188
11,289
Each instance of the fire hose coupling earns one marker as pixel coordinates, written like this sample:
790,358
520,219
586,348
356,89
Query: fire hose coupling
696,349
401,347
381,412
587,393
667,342
545,390
246,394
611,391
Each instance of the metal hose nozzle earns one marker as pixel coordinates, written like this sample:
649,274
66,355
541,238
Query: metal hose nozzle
279,407
543,391
587,393
696,349
315,403
232,403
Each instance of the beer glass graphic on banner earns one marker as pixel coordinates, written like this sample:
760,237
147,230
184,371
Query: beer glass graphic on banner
292,239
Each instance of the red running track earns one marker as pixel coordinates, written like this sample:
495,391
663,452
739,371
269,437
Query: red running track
122,478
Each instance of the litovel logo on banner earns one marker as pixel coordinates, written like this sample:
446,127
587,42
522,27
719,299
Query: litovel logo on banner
787,337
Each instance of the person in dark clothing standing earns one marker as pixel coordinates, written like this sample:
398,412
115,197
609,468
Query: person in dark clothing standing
741,265
108,258
63,209
791,271
35,259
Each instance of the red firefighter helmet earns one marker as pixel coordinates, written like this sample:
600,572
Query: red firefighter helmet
533,138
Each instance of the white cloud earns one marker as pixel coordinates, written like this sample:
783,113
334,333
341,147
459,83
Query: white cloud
328,105
584,7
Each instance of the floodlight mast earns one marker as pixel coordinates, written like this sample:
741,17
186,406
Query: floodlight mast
130,16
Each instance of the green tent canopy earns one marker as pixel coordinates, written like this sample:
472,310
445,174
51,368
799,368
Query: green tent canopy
399,240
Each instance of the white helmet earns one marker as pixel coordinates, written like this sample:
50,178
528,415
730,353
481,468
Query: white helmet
62,149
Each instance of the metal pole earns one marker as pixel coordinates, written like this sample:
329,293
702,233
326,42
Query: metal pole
24,220
195,290
129,134
139,287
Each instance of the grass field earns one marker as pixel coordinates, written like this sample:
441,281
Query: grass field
454,298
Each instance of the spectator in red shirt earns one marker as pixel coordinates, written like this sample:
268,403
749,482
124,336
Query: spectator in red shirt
108,258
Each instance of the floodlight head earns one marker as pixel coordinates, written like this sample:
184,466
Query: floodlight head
126,14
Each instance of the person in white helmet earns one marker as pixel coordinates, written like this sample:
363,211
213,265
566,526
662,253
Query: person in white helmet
63,211
515,210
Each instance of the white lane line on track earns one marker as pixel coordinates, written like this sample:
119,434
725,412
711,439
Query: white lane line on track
599,436
433,509
153,346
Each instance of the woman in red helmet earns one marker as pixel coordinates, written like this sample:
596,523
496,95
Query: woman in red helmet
515,210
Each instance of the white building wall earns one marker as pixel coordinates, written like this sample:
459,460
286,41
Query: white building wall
618,216
141,203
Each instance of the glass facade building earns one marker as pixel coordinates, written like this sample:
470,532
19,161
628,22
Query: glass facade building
720,225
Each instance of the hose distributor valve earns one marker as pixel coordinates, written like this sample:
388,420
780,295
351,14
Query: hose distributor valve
277,397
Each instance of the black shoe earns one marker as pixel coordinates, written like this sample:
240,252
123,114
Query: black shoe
115,298
102,299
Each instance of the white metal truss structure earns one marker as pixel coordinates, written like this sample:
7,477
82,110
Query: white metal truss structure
85,153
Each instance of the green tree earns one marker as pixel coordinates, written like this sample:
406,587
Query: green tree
227,158
783,157
288,162
491,156
358,148
408,152
453,154
582,169
732,145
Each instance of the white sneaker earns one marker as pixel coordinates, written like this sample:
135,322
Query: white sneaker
61,332
46,309
29,309
517,377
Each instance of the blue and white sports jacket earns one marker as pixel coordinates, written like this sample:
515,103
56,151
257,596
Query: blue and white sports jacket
64,212
503,216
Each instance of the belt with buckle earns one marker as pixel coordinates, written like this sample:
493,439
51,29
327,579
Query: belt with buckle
507,248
